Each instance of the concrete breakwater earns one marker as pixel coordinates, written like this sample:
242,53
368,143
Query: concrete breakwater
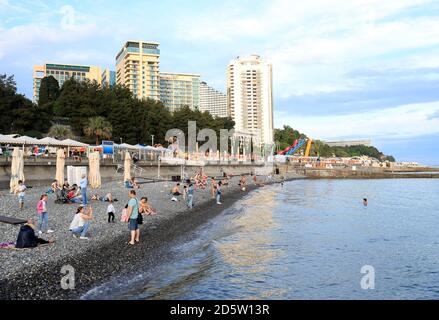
40,172
356,172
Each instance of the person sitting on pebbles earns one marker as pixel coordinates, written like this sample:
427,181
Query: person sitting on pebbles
27,239
145,208
176,192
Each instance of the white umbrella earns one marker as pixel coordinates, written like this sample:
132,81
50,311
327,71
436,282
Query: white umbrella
26,140
94,175
60,162
48,141
7,139
127,167
73,143
17,167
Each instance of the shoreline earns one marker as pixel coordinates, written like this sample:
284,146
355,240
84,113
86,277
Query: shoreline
93,267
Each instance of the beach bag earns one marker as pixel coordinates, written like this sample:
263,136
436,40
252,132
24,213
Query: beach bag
124,217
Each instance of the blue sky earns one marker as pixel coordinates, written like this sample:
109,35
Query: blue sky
341,68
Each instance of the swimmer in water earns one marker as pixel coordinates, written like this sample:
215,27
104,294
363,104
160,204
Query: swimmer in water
365,202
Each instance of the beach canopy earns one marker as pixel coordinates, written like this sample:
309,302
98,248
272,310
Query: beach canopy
125,146
160,149
24,140
60,162
48,141
94,175
127,167
17,168
7,138
73,143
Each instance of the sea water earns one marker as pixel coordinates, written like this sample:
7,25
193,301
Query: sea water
307,239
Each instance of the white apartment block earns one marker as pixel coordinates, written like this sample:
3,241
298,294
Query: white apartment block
250,99
213,101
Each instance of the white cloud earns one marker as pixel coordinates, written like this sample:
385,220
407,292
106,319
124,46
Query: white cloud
393,123
314,45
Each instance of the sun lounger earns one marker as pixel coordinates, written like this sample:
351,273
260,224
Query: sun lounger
11,220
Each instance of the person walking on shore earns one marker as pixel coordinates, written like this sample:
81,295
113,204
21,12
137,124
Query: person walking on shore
20,191
43,217
218,193
190,196
83,184
133,213
81,222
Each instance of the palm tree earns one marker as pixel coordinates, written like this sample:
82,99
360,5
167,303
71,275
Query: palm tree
98,127
60,132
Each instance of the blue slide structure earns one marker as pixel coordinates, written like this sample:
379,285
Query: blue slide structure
292,150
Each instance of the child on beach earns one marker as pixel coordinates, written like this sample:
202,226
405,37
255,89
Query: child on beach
110,211
20,191
184,192
190,196
43,217
145,208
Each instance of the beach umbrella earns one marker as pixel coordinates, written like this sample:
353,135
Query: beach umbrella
127,167
17,167
60,162
94,175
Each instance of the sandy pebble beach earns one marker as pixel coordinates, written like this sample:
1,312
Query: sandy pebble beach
105,238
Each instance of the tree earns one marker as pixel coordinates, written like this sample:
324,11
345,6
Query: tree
49,90
98,127
18,114
285,137
59,131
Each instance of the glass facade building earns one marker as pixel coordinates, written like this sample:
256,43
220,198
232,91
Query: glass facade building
179,89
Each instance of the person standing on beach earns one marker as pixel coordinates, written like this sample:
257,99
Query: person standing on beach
20,191
213,187
43,216
242,182
83,184
133,213
218,193
190,196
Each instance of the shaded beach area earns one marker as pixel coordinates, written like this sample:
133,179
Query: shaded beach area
36,273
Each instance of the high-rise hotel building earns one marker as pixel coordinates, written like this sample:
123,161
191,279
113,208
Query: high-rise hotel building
62,72
180,89
137,67
249,93
213,101
108,78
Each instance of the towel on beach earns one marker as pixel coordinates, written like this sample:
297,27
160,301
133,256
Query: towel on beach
7,245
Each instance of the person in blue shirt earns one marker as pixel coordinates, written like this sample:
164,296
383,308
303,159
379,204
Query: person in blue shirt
83,184
133,213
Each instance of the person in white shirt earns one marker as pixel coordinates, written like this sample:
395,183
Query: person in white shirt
20,191
81,222
1,151
110,211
